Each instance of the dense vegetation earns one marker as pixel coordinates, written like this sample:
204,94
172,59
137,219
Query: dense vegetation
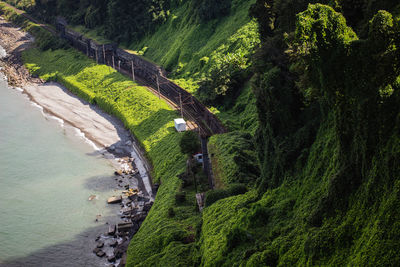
314,179
150,120
204,43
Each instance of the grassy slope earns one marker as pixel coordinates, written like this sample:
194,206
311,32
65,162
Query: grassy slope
223,148
283,237
275,231
151,121
183,41
159,240
180,43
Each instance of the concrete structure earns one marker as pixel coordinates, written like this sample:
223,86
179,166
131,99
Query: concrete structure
180,125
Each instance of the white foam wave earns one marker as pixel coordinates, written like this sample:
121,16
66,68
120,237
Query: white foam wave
3,52
80,134
19,89
39,107
3,77
61,121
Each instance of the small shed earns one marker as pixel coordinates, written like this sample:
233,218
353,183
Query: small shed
180,124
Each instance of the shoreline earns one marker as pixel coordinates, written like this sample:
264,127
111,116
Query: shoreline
106,132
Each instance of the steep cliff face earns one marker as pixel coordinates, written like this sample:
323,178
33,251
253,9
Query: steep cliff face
329,134
328,143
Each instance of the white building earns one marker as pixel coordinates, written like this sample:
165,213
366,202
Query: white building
180,125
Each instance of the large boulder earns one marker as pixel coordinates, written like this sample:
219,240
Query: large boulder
114,199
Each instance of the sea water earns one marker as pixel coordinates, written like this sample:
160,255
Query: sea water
47,174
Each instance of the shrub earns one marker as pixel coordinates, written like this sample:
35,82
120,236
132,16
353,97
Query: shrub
189,143
171,212
180,197
214,195
236,189
225,78
235,236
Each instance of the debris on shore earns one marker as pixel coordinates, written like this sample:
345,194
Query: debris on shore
134,206
114,199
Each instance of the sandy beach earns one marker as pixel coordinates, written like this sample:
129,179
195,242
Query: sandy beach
107,132
97,125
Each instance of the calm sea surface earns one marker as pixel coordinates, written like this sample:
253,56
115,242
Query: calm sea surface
47,173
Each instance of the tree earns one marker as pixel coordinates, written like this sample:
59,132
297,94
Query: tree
352,79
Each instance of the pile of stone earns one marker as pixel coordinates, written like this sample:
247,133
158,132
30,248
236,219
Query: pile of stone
114,243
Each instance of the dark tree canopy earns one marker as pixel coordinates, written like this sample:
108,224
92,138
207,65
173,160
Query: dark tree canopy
189,143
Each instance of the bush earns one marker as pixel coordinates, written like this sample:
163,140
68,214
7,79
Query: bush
224,79
236,189
180,197
235,236
171,212
217,194
214,195
189,143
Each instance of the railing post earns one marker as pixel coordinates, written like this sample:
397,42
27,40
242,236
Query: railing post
104,55
158,87
180,101
133,71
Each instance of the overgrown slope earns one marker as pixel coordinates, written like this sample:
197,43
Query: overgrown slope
328,143
321,162
151,121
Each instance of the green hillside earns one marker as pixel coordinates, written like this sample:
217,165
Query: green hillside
310,91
